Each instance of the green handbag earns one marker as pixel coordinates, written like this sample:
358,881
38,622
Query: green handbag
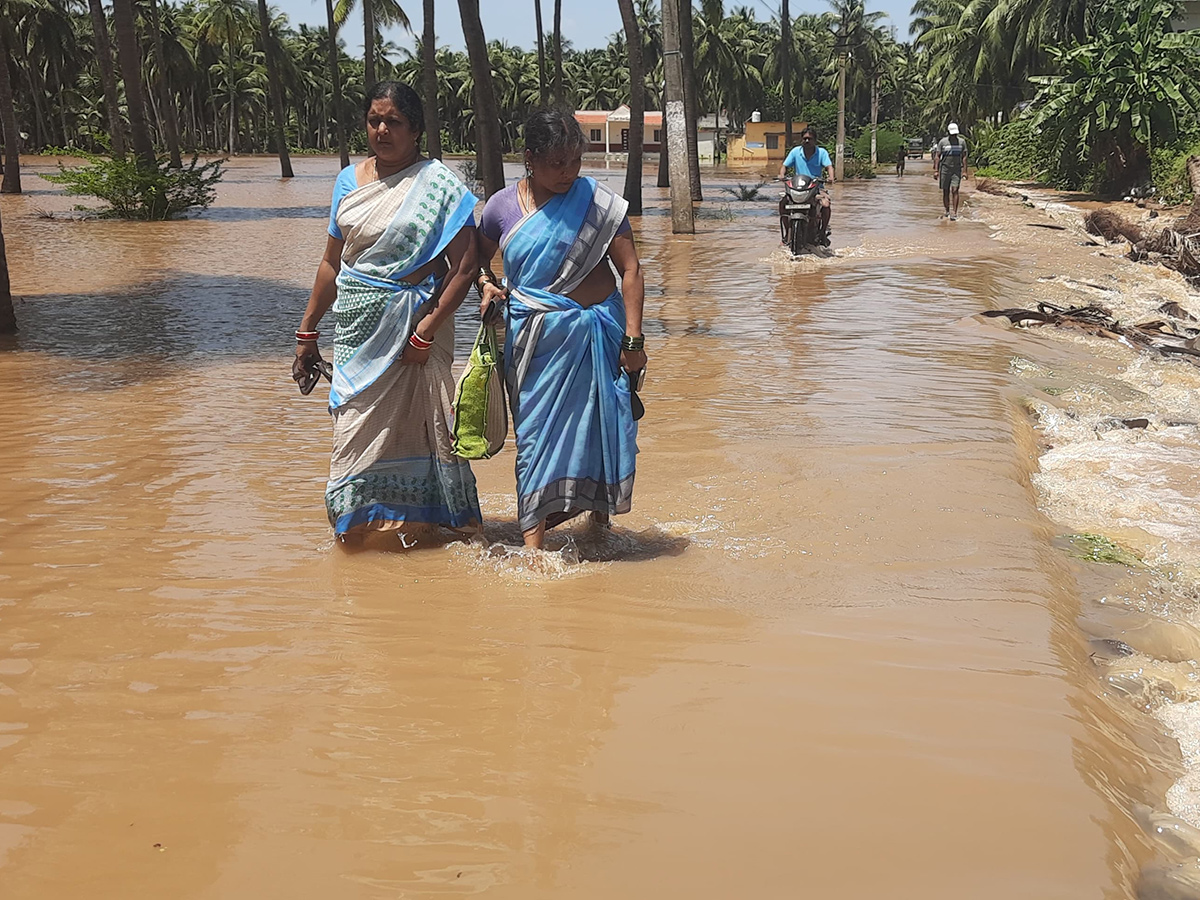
480,419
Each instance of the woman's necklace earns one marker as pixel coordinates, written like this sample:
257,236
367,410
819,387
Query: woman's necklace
530,202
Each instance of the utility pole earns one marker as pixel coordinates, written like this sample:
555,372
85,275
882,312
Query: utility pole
785,72
839,167
683,220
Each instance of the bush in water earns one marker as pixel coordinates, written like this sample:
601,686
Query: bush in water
134,190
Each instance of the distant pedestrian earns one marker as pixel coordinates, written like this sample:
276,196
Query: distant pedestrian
901,159
950,166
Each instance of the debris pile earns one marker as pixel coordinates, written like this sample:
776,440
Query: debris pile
1174,246
1169,336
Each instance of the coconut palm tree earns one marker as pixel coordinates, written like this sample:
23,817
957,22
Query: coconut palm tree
270,50
558,52
335,85
102,51
429,80
637,108
487,115
8,318
130,58
376,14
166,99
8,121
226,21
853,26
691,105
541,52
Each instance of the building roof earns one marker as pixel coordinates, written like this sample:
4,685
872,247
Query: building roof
620,114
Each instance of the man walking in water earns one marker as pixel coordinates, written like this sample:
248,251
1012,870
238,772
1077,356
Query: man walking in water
811,160
949,166
901,159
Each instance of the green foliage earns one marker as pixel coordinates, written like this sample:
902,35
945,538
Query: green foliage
745,192
823,117
1168,172
886,144
134,190
1118,93
1015,151
859,168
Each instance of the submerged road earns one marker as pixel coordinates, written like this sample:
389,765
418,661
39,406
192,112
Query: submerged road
831,652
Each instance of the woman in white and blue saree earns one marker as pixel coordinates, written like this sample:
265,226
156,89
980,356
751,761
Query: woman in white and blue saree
399,260
573,336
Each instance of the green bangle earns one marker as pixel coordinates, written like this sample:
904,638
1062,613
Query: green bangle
633,343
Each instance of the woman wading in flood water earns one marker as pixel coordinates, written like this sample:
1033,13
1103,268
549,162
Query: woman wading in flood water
398,262
573,336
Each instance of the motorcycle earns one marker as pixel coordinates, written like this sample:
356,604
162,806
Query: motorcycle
802,212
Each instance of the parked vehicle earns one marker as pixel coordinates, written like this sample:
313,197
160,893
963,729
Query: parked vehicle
915,148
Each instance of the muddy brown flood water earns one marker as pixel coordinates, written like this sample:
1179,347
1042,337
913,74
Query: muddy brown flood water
834,650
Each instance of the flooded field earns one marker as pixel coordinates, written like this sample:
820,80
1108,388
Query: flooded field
853,641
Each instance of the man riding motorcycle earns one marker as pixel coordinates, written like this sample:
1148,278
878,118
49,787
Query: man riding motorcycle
811,160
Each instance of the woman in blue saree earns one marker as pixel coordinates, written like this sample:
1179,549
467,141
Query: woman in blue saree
574,344
398,262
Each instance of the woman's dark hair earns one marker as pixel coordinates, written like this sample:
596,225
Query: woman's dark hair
553,131
403,98
811,131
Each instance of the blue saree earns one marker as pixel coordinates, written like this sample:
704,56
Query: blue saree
575,433
391,463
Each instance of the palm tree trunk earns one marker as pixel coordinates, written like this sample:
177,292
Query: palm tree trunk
8,318
62,107
36,91
276,90
683,219
335,84
116,127
368,11
558,48
8,124
487,113
839,167
541,45
874,117
637,108
785,71
166,102
131,73
691,103
232,88
433,125
664,152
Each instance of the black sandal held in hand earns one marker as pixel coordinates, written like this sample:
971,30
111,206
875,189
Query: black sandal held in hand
635,384
307,379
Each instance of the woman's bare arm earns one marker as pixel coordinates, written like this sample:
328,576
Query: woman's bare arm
492,292
462,252
624,256
324,292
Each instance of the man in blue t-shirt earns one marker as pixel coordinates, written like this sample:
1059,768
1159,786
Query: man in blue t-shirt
811,160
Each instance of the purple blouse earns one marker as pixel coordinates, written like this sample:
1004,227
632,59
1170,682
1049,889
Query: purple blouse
503,211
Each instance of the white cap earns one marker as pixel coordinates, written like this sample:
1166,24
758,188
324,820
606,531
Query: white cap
953,129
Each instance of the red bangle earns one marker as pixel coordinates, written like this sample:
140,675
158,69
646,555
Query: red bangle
307,335
419,342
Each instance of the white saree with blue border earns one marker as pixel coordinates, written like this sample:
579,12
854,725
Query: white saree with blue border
391,463
575,433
